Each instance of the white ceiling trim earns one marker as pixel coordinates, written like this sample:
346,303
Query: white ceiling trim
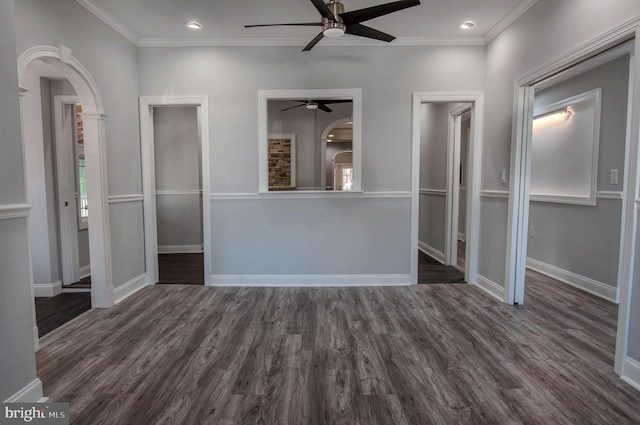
504,23
300,42
110,20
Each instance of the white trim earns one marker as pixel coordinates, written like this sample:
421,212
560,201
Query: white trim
85,271
309,195
461,236
32,393
505,22
300,42
263,128
490,287
605,194
517,228
311,280
94,118
584,283
110,20
47,289
120,293
181,249
431,252
502,194
433,192
122,199
178,192
75,290
590,96
147,103
323,147
11,211
476,99
631,372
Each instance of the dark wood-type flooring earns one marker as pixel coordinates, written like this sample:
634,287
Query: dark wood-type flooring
431,270
187,269
426,354
53,312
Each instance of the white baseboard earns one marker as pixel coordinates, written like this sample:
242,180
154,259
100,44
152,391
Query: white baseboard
32,393
85,271
431,251
181,249
462,237
490,287
631,373
75,290
123,291
311,280
581,282
47,289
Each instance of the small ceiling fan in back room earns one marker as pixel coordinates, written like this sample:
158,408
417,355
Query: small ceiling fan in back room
317,104
336,22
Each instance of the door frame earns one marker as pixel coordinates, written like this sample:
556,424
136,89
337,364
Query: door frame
65,182
453,184
147,104
476,100
518,220
94,120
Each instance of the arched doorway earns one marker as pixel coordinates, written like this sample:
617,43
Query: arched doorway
95,158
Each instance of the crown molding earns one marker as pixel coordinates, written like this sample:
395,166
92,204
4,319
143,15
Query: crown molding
301,42
110,20
504,23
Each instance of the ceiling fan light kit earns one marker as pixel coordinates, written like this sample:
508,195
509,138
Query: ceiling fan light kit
335,22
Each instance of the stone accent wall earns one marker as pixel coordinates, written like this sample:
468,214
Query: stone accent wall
279,164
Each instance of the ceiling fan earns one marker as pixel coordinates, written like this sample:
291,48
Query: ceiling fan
317,104
336,22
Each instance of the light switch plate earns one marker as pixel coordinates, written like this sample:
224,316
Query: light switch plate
613,179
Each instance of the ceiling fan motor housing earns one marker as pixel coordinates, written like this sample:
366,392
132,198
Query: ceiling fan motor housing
335,28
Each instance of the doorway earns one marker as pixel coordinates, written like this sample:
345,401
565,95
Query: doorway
442,124
175,152
598,190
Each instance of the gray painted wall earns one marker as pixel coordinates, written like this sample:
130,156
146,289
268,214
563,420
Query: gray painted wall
534,39
258,236
586,239
17,351
178,168
112,62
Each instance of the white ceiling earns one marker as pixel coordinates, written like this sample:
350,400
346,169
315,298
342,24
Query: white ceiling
432,22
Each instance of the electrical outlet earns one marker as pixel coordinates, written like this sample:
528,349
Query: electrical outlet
532,231
613,178
503,176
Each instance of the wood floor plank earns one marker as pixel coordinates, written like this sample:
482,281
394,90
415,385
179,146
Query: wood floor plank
431,354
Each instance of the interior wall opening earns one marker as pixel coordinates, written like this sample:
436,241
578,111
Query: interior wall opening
179,197
445,133
575,161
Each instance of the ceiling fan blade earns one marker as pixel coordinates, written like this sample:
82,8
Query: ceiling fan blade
291,107
331,101
313,42
305,24
323,9
324,107
361,15
365,31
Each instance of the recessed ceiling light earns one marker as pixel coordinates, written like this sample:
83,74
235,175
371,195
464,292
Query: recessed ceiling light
195,25
467,25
